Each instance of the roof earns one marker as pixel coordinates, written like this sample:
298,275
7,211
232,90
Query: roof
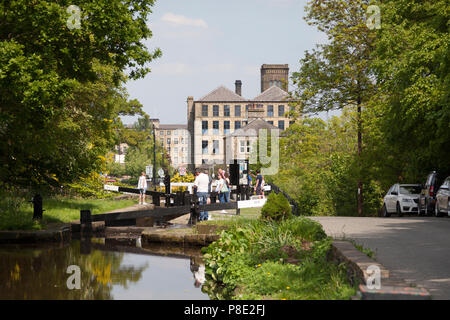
171,126
252,128
274,93
222,94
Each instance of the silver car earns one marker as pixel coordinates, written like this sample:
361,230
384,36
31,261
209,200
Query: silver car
400,199
443,199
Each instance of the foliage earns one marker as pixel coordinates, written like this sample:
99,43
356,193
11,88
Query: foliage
276,208
251,260
61,89
412,64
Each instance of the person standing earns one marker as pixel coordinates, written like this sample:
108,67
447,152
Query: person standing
142,186
259,184
223,188
201,184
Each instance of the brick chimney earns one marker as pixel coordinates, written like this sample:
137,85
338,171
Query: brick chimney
238,87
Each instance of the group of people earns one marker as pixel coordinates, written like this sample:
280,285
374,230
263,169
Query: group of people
203,187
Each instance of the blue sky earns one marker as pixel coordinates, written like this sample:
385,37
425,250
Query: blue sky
208,43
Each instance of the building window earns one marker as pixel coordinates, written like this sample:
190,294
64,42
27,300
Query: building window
270,111
244,146
270,122
175,160
237,111
204,127
237,125
175,150
280,110
281,124
204,110
161,133
215,146
175,140
204,147
226,127
246,111
215,111
215,127
182,141
291,122
162,141
226,110
168,140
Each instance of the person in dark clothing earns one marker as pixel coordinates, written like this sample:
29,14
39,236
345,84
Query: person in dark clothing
259,183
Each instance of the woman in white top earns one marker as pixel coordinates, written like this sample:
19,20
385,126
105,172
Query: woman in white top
223,188
142,186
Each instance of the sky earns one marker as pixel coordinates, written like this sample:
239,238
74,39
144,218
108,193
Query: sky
208,43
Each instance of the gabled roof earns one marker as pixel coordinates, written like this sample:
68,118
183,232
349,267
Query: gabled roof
274,93
222,94
252,128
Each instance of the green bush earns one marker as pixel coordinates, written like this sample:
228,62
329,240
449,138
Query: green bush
276,208
253,261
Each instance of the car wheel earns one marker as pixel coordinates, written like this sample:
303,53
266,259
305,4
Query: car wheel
399,210
386,214
437,211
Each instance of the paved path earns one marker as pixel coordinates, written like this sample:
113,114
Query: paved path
415,249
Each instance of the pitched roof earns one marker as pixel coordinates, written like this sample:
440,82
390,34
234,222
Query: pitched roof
274,93
253,127
222,94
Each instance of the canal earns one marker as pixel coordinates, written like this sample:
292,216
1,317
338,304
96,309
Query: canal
108,269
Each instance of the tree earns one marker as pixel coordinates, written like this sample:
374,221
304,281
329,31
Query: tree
338,74
61,88
413,69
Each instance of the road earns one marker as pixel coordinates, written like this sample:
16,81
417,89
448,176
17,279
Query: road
416,249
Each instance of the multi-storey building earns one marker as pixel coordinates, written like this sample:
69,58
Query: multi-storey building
174,138
222,111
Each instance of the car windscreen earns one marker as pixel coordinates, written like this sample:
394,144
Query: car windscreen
410,189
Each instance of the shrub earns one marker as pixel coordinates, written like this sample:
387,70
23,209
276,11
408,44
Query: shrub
276,208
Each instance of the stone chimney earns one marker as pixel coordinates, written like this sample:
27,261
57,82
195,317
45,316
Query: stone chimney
238,87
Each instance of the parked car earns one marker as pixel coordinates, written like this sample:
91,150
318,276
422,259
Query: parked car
427,197
443,199
400,199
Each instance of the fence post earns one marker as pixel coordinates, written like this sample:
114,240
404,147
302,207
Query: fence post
86,221
194,210
156,200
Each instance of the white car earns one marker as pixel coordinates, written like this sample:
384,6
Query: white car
400,199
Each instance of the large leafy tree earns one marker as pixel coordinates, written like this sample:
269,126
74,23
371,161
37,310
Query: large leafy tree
337,74
413,69
61,88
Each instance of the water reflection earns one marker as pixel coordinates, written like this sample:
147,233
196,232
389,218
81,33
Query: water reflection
109,270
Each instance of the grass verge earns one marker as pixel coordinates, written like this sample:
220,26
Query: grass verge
17,214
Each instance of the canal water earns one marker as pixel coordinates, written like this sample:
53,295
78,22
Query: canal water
107,270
